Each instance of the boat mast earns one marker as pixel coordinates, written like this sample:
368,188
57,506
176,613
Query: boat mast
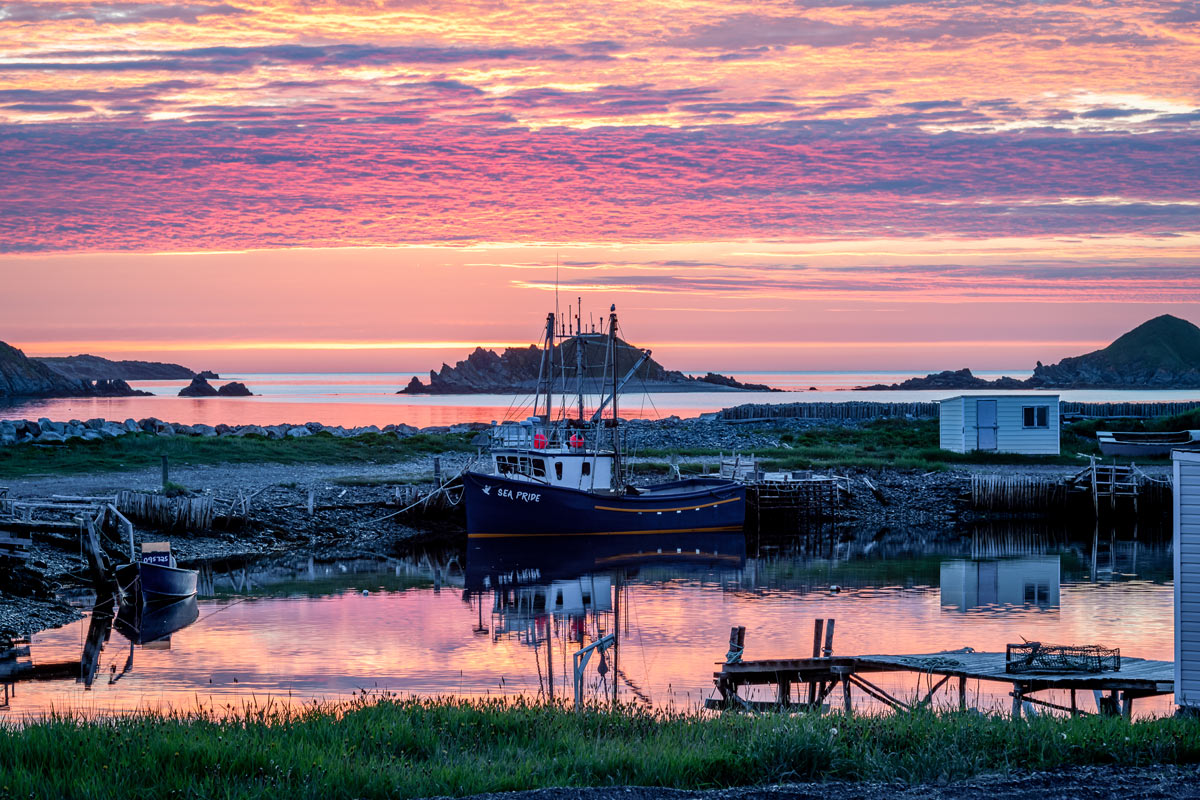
549,358
579,340
612,343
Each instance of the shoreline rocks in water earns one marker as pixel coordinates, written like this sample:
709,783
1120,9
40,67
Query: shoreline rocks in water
200,387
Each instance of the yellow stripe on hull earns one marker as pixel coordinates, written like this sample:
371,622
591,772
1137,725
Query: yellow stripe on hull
721,529
665,510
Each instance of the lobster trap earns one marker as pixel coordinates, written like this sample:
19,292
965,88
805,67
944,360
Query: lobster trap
1039,657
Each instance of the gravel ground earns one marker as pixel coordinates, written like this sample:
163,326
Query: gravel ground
1080,783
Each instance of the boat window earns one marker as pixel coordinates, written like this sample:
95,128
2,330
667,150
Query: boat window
539,468
1036,416
587,468
558,470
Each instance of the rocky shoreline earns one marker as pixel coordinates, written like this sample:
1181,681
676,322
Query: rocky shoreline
46,431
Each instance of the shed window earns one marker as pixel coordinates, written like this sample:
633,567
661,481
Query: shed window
1036,416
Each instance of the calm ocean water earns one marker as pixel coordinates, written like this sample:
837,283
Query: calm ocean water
500,619
371,399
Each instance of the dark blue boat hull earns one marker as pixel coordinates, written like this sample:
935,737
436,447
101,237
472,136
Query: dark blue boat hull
499,507
158,582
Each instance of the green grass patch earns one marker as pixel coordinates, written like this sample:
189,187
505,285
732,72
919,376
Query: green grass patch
883,443
138,451
424,747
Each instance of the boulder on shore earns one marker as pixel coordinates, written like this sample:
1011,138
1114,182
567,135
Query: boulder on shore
199,387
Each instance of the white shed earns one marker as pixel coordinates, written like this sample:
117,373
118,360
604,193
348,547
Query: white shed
1187,577
1005,423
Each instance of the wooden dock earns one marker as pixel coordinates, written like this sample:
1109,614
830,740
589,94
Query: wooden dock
1115,691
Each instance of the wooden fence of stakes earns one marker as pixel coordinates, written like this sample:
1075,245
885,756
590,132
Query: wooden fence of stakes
191,513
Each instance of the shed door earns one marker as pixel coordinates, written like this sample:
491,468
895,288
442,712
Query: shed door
985,422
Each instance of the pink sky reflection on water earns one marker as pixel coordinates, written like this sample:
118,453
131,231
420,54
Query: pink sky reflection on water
424,640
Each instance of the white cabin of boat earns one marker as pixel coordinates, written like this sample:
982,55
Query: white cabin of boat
549,455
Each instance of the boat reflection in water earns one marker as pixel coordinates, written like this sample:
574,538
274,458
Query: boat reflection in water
145,624
562,593
153,623
1031,582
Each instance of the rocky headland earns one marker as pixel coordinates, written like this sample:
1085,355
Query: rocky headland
21,376
93,368
516,370
1162,353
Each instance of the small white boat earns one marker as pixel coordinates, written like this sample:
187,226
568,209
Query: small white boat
1144,444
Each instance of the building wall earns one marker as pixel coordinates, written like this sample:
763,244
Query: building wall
1187,579
959,431
1014,437
950,426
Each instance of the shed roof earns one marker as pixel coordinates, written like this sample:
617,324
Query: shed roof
989,396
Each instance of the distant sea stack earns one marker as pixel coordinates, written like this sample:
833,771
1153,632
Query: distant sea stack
25,377
95,368
200,387
516,371
1162,353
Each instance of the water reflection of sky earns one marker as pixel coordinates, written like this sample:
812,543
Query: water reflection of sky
352,399
309,631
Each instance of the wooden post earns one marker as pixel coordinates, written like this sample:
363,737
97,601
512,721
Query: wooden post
785,693
847,706
1074,705
311,498
166,475
1017,696
818,629
1127,704
437,470
828,651
962,693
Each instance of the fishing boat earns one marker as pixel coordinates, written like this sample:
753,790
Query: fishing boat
157,578
566,476
1144,444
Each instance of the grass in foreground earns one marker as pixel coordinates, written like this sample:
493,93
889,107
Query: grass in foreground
435,747
138,451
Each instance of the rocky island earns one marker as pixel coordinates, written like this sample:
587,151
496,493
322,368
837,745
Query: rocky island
1161,353
516,371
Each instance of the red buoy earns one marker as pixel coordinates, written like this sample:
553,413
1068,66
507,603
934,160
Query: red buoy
576,441
540,441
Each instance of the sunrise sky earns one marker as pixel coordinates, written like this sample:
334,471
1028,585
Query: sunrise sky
811,184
